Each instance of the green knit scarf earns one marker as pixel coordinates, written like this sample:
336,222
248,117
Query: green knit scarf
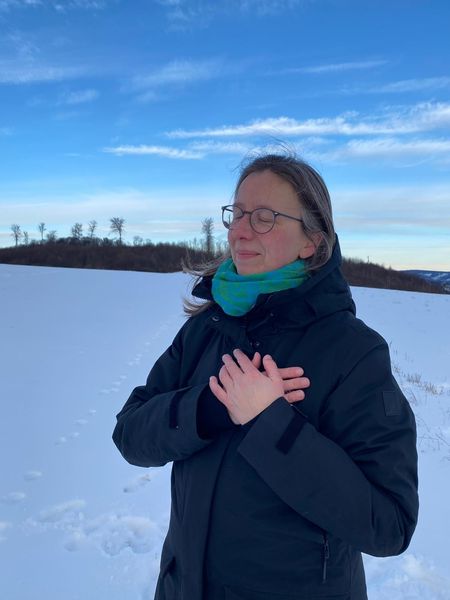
237,294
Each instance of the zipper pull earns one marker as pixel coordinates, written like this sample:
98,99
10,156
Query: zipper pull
326,556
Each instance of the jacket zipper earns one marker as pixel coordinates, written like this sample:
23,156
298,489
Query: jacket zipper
326,556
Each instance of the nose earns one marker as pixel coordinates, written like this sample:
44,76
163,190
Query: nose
242,228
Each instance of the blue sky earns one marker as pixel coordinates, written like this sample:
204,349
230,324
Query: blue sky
145,108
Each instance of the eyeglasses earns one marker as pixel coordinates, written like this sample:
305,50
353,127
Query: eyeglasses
262,220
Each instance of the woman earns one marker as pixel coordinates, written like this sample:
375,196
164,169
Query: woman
277,487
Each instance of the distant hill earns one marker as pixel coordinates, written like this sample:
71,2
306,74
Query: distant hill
440,277
164,258
365,274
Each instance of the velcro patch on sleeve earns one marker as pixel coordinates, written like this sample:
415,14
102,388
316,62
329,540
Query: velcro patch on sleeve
391,404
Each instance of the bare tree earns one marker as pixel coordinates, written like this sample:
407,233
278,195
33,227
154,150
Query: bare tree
117,224
26,238
138,240
207,229
91,228
77,231
52,235
16,233
41,229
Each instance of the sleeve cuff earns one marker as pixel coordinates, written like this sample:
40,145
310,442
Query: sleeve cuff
212,416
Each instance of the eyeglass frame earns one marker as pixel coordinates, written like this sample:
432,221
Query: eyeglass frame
250,212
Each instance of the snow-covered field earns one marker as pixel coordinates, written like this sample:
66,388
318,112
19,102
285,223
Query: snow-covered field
78,522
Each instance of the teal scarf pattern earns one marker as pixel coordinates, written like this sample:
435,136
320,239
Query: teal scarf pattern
236,294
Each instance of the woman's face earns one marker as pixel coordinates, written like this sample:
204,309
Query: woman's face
261,252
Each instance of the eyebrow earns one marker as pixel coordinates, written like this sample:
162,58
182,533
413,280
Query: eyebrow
240,204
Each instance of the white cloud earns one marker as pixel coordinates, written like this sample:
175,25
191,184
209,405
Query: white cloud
399,152
58,5
394,120
338,67
161,215
189,14
392,147
395,208
143,150
211,147
429,84
266,7
79,96
177,72
13,72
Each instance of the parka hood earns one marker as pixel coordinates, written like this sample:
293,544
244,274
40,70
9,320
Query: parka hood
324,293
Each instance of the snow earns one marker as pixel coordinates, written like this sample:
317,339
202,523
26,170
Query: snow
76,521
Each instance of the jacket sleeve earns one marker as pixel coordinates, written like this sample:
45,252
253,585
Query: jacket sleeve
355,478
158,423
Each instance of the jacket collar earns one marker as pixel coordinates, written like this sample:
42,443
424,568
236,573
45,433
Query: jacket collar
324,293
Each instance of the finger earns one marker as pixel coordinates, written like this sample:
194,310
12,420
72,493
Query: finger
256,360
232,368
295,396
217,390
289,372
244,362
271,368
298,383
224,377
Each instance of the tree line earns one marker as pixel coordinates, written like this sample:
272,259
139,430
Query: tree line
117,225
117,228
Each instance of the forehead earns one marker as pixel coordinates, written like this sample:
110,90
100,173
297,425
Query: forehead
268,190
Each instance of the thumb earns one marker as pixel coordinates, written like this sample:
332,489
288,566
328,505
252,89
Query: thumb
271,368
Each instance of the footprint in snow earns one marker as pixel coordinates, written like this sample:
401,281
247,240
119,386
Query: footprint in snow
113,534
58,512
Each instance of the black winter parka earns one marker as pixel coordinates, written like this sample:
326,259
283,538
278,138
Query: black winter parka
317,482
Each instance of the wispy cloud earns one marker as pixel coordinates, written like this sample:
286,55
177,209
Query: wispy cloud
20,72
5,131
398,152
176,73
211,147
395,120
395,207
58,5
189,14
266,7
428,84
79,97
338,67
143,150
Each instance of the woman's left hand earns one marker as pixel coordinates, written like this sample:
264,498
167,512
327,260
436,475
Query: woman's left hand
245,391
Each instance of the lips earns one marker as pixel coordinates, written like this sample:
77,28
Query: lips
246,254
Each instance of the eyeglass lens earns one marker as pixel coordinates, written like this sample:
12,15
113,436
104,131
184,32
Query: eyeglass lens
261,219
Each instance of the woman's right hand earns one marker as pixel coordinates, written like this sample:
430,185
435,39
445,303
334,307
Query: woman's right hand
293,381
